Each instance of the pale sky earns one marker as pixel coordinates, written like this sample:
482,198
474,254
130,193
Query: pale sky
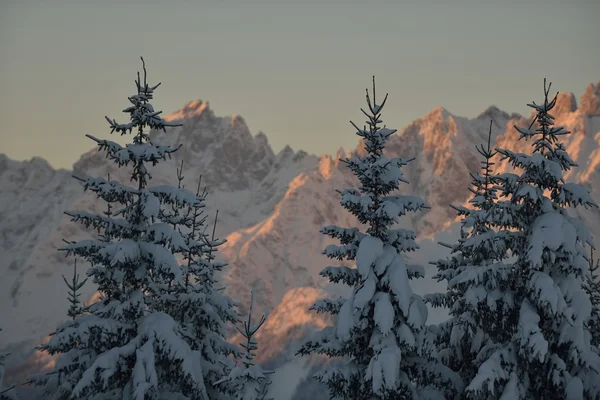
295,70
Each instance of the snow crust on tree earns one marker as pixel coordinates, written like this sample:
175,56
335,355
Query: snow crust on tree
157,331
520,315
381,327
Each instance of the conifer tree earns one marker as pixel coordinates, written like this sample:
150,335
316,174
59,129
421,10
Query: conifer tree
460,338
248,381
123,348
209,322
199,305
532,306
75,307
380,327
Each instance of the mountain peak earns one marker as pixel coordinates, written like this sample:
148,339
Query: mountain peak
590,101
286,152
261,139
194,108
236,157
493,113
33,164
237,120
438,112
237,127
41,163
565,104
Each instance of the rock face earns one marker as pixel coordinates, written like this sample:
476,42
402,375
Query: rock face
565,104
590,101
272,206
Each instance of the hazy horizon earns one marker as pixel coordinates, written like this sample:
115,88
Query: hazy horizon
296,72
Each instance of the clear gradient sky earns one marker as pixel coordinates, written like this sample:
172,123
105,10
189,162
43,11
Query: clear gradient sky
295,70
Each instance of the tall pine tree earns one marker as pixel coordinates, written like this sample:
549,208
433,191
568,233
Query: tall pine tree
460,339
533,307
199,304
123,348
380,327
209,322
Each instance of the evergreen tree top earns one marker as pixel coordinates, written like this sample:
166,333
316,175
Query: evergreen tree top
484,192
249,332
378,176
142,115
141,112
546,130
483,184
74,309
544,167
248,381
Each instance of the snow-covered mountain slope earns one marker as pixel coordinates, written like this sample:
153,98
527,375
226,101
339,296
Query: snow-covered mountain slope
272,206
283,251
33,198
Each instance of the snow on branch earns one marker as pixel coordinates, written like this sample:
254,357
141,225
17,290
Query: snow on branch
177,196
134,153
110,226
347,275
328,306
110,191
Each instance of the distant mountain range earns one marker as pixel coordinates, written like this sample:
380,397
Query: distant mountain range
271,208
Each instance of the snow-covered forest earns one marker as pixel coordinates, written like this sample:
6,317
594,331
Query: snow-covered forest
156,311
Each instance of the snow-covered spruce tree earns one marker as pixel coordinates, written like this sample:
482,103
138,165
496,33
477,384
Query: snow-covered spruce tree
209,322
248,381
460,339
380,328
199,304
542,350
75,307
592,288
121,348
